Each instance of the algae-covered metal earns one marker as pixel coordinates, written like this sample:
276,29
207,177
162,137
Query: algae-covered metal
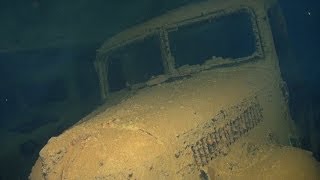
195,86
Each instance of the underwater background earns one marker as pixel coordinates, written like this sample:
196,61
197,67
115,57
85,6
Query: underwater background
48,81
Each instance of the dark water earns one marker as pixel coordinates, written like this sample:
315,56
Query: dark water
38,88
48,81
301,72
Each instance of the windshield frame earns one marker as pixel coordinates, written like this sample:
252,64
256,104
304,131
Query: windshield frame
168,61
215,62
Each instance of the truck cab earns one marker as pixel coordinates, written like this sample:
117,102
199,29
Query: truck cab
195,93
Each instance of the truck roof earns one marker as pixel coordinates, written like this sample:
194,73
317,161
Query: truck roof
182,14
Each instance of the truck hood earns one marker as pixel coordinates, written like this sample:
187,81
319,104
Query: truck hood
148,129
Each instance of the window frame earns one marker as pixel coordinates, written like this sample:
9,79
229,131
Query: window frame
128,43
258,54
168,60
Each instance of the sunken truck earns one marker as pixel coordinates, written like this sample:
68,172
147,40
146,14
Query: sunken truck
196,93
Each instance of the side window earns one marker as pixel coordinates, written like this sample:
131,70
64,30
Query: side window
228,36
134,63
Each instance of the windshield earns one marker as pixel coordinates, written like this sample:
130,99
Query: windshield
134,63
216,39
229,37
